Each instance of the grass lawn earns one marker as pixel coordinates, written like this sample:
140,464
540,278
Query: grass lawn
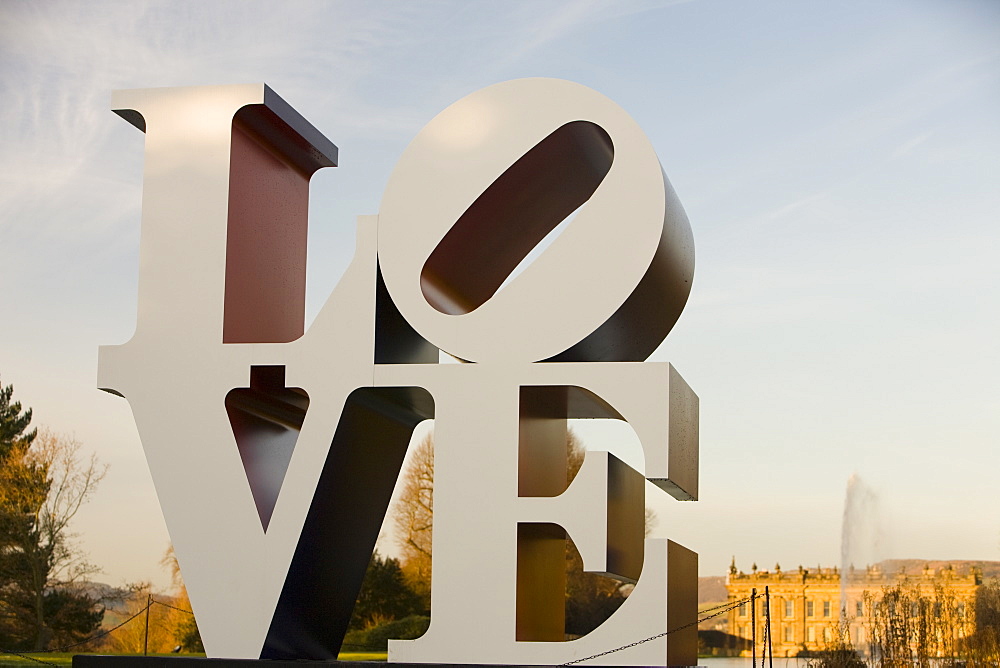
362,656
57,659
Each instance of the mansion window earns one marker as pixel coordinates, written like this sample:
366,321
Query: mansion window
789,608
826,608
860,609
743,609
788,633
827,634
810,608
811,634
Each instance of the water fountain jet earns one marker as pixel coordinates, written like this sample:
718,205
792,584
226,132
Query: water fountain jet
860,534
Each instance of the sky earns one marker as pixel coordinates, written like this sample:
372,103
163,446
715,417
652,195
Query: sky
839,164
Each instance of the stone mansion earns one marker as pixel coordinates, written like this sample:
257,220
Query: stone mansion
806,605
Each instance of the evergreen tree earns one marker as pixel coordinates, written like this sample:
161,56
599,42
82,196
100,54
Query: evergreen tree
43,483
384,594
13,422
22,491
72,615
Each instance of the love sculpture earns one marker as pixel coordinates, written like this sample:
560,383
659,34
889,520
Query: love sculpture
275,450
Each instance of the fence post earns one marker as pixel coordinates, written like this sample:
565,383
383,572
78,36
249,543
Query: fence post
145,642
767,620
753,626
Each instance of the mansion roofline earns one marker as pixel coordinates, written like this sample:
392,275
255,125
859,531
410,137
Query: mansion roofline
874,575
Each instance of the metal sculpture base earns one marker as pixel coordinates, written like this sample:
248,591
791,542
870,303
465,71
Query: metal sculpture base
111,661
94,661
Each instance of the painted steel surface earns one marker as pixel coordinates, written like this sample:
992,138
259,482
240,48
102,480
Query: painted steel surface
274,450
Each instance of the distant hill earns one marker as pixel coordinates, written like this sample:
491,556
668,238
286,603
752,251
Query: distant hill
712,592
712,589
113,598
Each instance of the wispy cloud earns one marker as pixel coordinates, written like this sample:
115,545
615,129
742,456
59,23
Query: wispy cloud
907,146
61,60
809,201
65,152
542,24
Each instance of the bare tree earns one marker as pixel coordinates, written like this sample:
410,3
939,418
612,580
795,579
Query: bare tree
911,626
42,487
413,514
592,598
983,646
158,637
185,627
838,651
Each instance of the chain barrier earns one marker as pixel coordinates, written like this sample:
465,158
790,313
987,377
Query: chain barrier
26,656
715,610
722,609
173,607
97,636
